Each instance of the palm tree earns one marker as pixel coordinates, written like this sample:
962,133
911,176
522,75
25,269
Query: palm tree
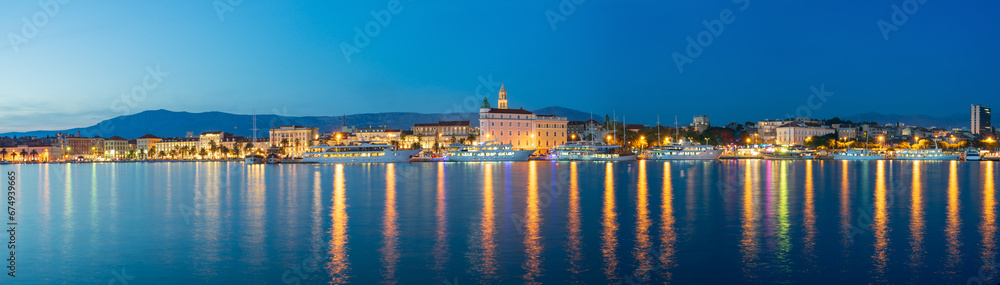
471,137
212,147
3,153
152,151
248,147
24,154
173,153
13,156
224,150
34,154
202,152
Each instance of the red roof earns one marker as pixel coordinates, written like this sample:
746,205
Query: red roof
510,111
149,136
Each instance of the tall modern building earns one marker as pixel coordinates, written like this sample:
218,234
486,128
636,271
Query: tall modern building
981,124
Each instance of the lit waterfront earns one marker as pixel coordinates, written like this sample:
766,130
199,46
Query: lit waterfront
746,221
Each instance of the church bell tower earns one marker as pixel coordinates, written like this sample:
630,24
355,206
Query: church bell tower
503,98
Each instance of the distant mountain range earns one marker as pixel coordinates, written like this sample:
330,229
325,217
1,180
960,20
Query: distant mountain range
957,120
164,123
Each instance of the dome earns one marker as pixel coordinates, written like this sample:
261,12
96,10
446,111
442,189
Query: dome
486,104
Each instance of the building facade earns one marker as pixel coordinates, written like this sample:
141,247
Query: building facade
796,133
294,139
520,128
116,148
981,120
442,133
588,130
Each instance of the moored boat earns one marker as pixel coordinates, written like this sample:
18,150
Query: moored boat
687,151
857,154
359,152
592,151
972,155
924,154
486,151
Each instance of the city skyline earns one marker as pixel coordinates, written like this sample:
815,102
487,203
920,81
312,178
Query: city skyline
766,60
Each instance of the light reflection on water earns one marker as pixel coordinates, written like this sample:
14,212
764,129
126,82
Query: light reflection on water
665,222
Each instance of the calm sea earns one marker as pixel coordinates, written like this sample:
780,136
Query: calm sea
716,222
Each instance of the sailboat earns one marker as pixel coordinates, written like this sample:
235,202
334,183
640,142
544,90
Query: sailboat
681,150
592,150
252,157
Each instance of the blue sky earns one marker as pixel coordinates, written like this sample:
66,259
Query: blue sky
286,58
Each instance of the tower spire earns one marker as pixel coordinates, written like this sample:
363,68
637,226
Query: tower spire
503,97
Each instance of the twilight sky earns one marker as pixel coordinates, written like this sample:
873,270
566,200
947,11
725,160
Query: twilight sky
75,63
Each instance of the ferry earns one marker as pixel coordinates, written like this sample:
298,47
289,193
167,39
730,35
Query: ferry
592,151
791,153
687,151
857,154
485,151
358,152
924,154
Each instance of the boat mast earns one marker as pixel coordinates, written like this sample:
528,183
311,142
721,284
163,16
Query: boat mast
657,129
254,142
677,132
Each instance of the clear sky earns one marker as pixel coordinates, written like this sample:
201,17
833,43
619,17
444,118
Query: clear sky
75,61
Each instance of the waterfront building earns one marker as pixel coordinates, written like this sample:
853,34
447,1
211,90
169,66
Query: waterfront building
379,135
767,130
75,146
295,139
981,120
700,123
796,133
116,148
442,132
98,148
183,147
846,132
144,143
520,128
588,130
24,152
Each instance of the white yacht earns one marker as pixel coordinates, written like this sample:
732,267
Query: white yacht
686,151
857,154
924,154
788,153
592,151
972,155
359,152
485,151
